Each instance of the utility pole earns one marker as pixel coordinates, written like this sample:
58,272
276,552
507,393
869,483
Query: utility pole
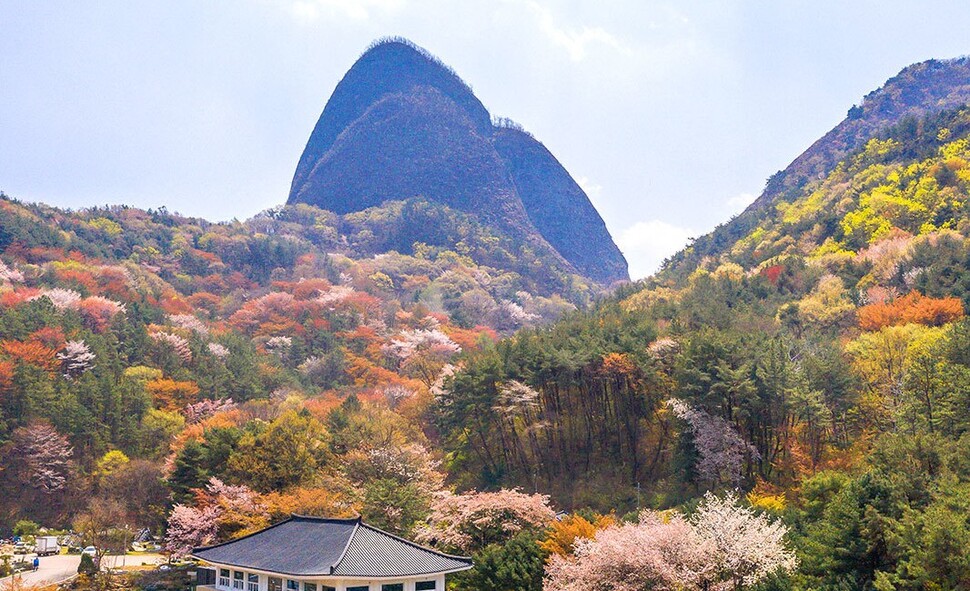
638,498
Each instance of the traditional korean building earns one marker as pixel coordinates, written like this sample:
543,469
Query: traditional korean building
318,554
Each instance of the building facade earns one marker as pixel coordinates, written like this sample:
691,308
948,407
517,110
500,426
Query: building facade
318,554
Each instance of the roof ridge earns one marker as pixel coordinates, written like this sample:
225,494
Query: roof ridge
278,523
410,543
350,540
318,518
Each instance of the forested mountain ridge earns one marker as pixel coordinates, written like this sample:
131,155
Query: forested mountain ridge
401,124
918,91
812,353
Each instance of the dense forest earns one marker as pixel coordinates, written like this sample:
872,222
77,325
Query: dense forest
786,410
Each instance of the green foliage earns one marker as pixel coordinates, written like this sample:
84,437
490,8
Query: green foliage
516,565
87,566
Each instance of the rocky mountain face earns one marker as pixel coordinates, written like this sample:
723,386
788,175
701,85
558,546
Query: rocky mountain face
402,124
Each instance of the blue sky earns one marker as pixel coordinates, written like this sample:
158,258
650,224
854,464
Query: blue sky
670,113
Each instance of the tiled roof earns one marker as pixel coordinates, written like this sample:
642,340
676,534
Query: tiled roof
314,546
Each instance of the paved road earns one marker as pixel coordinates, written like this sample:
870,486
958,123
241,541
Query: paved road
54,569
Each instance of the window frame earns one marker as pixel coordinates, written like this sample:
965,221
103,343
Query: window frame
433,587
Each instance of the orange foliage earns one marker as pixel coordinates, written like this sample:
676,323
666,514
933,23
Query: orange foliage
307,501
173,303
49,336
6,376
562,535
11,298
77,277
321,406
617,365
366,374
171,394
913,307
32,353
204,300
468,339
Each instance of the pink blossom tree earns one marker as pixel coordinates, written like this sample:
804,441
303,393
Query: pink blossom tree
472,520
658,553
189,527
723,547
721,448
44,455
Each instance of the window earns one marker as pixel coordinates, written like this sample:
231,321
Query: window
326,588
393,587
309,587
292,585
252,582
237,579
425,586
360,588
223,577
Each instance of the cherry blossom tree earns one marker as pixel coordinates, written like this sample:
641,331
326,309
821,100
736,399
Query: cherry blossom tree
218,350
189,322
746,546
658,553
721,448
202,410
723,547
189,527
177,343
10,274
76,358
62,299
44,455
472,520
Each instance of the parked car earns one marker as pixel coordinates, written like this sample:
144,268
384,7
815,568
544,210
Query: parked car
21,548
90,551
46,546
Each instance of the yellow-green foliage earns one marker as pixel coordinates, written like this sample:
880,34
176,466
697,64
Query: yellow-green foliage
828,303
109,227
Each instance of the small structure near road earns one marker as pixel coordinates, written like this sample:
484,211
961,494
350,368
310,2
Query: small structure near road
319,554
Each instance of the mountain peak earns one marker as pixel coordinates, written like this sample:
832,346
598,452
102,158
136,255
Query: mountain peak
402,124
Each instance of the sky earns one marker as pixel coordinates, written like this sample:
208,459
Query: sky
670,113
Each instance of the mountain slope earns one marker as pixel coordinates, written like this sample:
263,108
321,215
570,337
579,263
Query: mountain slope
918,91
401,124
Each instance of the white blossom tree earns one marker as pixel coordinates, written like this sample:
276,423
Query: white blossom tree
76,358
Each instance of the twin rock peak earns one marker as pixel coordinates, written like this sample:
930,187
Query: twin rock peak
401,124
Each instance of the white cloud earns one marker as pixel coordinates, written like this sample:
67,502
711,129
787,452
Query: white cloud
646,244
738,203
307,11
593,190
573,41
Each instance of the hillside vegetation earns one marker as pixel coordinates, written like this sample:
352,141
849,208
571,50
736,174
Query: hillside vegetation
818,363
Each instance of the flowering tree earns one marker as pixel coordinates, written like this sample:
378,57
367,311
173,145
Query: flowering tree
44,454
471,521
62,299
189,527
202,410
721,448
218,350
98,311
746,547
178,344
223,511
655,554
722,547
189,322
422,352
76,358
10,274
